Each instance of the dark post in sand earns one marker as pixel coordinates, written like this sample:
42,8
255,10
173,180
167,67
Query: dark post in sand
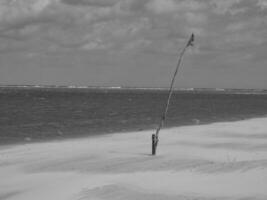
155,137
154,144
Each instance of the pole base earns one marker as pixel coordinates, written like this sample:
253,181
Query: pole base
154,144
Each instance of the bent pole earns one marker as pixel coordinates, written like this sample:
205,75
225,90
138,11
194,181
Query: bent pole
155,137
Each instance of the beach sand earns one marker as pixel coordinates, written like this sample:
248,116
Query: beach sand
216,161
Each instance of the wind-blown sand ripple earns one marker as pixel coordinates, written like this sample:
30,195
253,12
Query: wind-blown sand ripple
129,193
123,192
217,161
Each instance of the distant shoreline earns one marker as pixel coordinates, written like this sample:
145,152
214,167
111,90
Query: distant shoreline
121,88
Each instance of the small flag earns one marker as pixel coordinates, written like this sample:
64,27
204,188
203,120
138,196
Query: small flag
191,40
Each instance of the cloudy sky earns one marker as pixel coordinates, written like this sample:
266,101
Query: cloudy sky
133,42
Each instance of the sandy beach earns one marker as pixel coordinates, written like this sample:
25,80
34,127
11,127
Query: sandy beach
216,161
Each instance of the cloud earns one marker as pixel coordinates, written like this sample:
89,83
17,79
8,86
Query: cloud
50,21
13,13
123,25
167,6
222,7
142,32
100,3
262,4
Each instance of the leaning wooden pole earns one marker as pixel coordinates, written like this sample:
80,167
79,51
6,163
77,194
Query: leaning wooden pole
155,137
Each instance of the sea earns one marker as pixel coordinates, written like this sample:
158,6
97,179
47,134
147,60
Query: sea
33,114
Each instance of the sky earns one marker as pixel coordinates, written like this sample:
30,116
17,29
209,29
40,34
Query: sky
134,43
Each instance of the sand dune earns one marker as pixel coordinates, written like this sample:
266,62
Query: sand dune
217,161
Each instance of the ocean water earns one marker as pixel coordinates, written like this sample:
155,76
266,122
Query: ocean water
34,114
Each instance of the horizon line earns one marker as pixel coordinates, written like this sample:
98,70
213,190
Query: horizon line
127,87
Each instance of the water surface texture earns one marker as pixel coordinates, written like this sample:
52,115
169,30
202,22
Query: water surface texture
32,114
